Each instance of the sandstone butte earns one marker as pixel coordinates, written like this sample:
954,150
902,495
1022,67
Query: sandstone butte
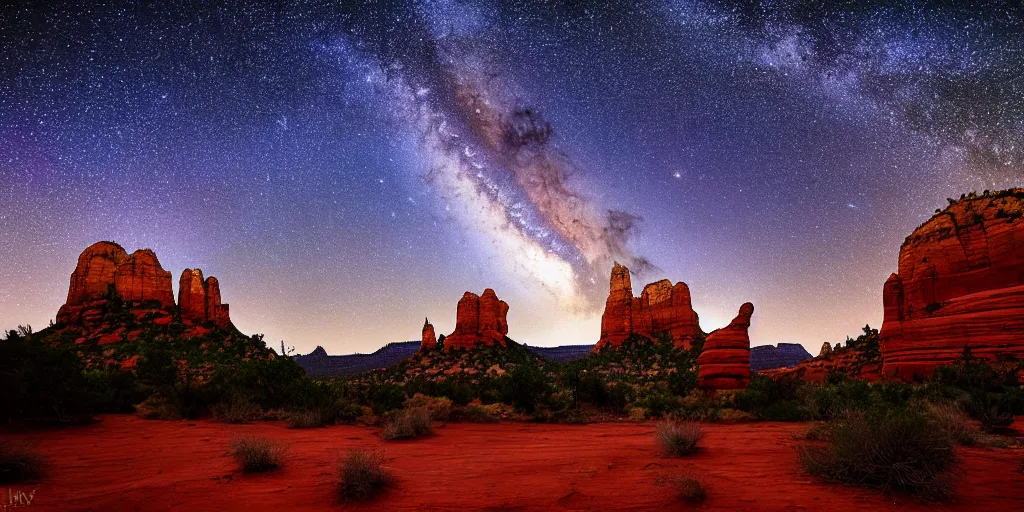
428,341
661,307
480,320
139,280
724,363
960,283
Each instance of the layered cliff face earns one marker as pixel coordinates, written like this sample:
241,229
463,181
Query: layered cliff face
106,267
960,284
199,299
661,307
480,320
724,363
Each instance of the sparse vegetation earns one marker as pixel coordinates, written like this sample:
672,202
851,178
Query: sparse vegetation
689,489
257,454
951,419
19,463
677,438
890,449
407,424
362,475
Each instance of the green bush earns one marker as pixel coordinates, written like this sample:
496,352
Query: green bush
19,463
387,397
41,383
257,454
237,410
362,475
886,448
525,386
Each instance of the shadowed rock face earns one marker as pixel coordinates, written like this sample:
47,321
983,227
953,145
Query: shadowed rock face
199,299
480,320
661,307
725,361
104,266
960,284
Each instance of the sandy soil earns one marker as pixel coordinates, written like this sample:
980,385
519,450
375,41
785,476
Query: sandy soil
126,463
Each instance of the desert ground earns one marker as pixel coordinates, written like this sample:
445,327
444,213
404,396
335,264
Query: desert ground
123,462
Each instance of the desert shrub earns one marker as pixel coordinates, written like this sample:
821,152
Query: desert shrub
257,454
113,390
994,418
477,412
440,408
951,419
764,394
678,438
238,409
689,489
656,399
308,418
40,382
157,407
387,397
890,449
362,475
407,424
609,396
525,386
19,463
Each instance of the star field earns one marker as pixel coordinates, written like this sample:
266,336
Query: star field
347,170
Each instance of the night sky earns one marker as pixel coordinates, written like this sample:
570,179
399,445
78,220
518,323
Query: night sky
347,171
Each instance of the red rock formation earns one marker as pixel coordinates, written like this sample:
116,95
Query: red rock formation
960,284
428,341
106,266
725,361
199,300
480,320
826,349
661,307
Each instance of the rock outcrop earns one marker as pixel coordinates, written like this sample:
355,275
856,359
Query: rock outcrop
199,299
105,267
661,307
480,320
826,349
960,283
724,362
428,340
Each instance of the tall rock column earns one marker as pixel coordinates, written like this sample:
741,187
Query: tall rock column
480,320
725,361
428,341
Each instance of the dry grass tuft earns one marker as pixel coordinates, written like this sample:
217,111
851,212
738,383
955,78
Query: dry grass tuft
362,475
257,454
19,463
678,438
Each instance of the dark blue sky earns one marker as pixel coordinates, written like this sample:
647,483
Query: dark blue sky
346,171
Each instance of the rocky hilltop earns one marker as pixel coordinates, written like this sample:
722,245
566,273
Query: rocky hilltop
725,361
480,321
960,283
785,355
113,296
661,307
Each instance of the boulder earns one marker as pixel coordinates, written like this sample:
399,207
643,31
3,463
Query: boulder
724,362
480,320
661,307
960,284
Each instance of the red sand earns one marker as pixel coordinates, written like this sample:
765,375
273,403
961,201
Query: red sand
126,463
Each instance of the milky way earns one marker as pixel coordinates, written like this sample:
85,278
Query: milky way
345,170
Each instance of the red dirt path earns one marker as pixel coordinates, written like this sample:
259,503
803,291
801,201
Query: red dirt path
126,463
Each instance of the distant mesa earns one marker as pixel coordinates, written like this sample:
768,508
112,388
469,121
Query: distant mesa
661,307
785,355
960,283
724,363
106,271
480,321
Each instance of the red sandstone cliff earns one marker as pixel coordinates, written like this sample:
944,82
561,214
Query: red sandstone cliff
724,363
480,320
106,266
661,307
960,283
199,299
